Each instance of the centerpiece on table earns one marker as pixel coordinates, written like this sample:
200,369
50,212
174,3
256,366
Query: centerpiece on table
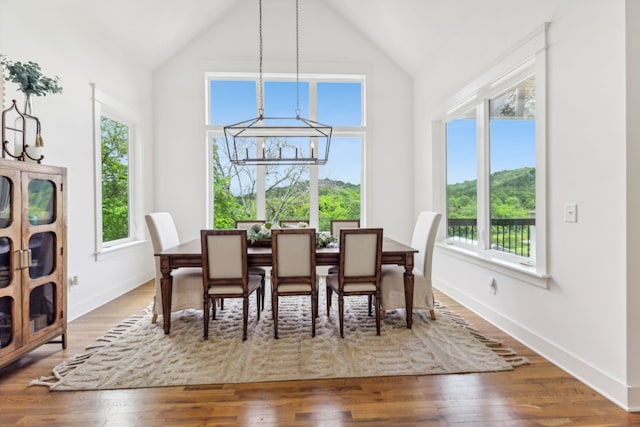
260,235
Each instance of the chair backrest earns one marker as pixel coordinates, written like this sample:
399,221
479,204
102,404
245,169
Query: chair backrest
424,237
360,255
294,253
292,223
224,256
162,230
245,224
339,224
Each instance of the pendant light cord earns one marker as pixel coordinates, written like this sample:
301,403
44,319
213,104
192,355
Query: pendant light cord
261,110
297,64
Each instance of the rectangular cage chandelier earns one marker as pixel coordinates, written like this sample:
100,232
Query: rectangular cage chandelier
278,140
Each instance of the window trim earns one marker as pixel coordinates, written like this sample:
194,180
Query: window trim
525,59
212,131
106,106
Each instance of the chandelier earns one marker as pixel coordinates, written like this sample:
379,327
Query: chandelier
278,140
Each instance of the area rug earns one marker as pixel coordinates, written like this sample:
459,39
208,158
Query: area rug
137,354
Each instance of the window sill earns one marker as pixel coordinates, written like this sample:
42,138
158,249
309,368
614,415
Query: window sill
113,251
517,271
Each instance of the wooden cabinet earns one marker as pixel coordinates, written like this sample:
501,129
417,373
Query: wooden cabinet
33,278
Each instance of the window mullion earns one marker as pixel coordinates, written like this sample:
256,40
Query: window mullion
484,167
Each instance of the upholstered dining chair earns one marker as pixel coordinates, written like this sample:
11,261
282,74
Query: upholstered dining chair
187,282
245,224
336,226
225,273
392,281
293,270
358,272
339,224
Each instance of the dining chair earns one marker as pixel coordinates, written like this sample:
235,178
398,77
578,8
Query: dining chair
225,273
336,226
392,281
293,270
245,224
187,282
358,272
339,224
293,223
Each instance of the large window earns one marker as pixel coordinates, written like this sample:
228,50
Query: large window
493,148
282,192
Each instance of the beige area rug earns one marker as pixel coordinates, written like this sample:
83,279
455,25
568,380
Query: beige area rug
137,353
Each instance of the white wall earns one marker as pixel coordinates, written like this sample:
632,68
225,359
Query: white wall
580,321
633,197
69,51
327,45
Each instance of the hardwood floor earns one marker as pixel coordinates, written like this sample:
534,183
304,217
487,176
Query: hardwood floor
538,394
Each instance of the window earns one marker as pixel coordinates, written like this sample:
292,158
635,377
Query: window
493,145
114,145
281,192
115,164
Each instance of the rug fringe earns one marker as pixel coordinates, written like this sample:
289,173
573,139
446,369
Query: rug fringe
64,368
508,354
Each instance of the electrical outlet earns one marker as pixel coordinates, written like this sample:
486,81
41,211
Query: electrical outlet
493,287
73,281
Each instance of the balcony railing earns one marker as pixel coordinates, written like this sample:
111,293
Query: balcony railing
511,235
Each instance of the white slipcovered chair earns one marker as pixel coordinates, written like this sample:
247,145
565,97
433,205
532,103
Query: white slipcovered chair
187,282
392,281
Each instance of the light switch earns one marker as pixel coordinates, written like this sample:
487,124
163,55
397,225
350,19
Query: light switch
570,212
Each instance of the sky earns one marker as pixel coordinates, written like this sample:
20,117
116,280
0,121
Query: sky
512,147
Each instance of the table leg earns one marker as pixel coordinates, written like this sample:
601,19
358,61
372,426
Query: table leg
408,289
166,284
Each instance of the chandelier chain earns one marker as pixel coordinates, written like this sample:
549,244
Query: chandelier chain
297,62
261,110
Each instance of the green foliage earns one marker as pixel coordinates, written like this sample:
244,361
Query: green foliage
115,180
513,195
29,77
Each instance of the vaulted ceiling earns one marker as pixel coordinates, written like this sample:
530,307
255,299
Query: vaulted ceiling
414,33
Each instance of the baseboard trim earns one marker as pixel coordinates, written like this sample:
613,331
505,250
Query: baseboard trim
80,308
628,398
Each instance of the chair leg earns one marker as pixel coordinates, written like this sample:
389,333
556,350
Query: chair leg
245,316
314,313
433,314
206,316
213,307
263,291
258,294
369,299
274,305
377,316
329,296
341,314
154,318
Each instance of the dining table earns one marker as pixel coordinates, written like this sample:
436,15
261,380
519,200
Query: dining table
189,254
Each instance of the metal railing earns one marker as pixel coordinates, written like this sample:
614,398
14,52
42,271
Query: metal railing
511,235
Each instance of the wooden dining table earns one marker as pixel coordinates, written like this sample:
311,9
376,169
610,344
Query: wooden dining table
189,254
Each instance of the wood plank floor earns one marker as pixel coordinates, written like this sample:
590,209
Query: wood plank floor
538,394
